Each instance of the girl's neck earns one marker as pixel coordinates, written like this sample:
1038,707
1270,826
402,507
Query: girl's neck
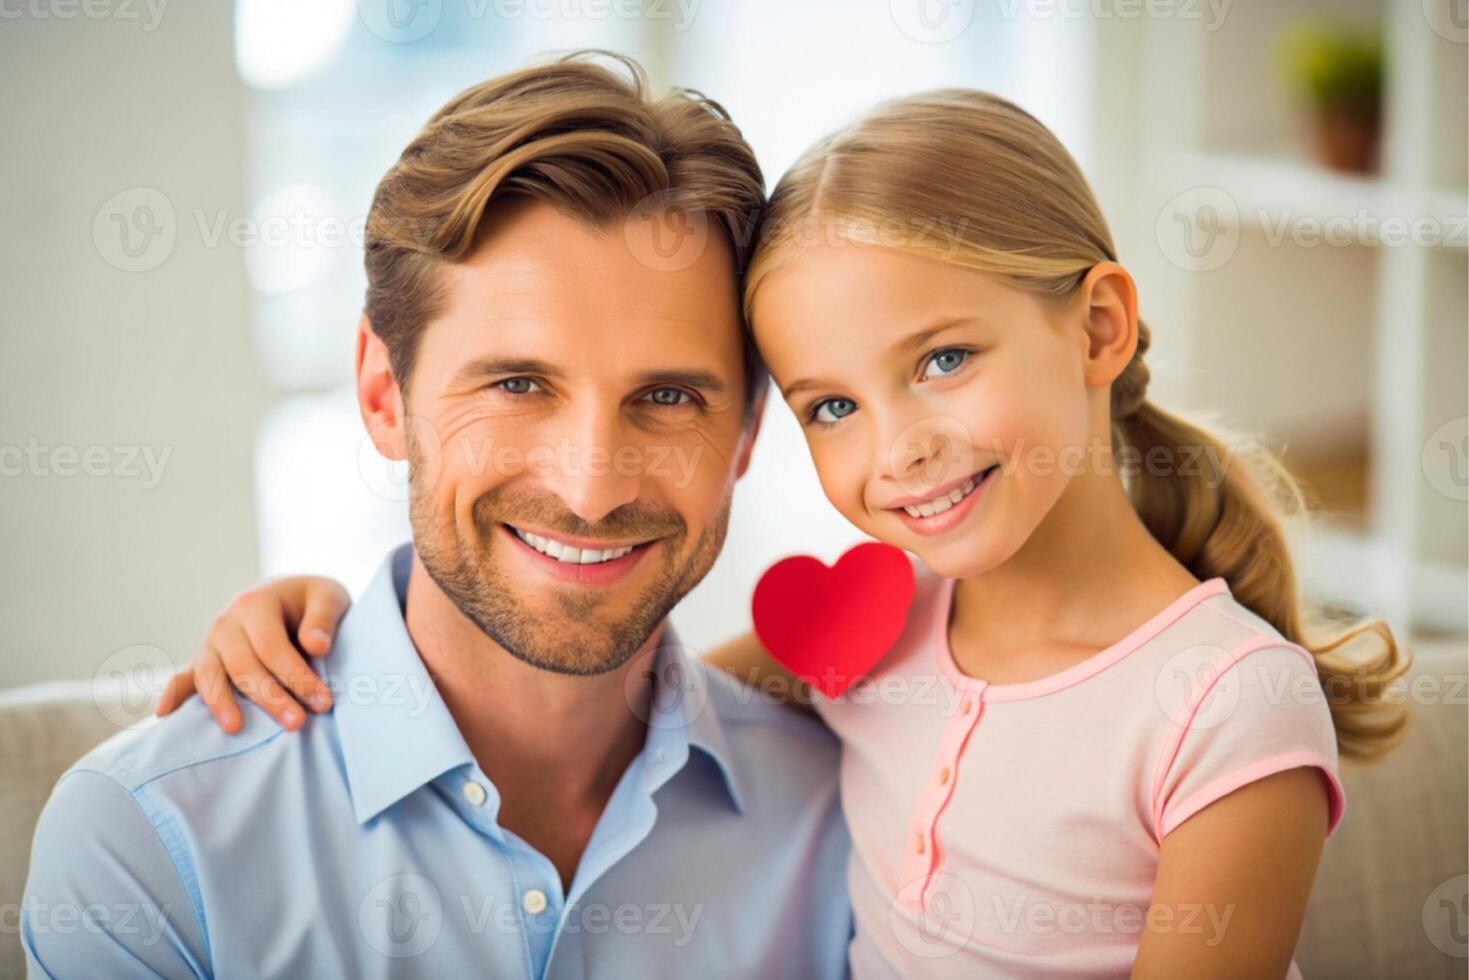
1089,574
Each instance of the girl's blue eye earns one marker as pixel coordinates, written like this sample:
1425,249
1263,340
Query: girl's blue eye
669,396
519,386
944,362
831,410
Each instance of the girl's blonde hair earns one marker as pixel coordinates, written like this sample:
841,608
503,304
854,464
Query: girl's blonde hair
971,179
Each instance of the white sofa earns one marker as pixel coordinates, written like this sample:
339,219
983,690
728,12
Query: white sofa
1390,899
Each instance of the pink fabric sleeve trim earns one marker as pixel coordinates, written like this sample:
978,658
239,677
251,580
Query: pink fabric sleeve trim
1225,785
1179,731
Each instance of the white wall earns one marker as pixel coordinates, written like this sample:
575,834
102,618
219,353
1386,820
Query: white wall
95,356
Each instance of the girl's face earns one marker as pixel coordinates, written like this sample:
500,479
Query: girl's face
946,412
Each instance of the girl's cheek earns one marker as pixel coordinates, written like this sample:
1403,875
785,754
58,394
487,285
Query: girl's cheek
843,479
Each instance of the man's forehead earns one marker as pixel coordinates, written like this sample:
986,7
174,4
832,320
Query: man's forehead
550,287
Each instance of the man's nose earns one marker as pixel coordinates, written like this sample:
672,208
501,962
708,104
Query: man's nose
594,469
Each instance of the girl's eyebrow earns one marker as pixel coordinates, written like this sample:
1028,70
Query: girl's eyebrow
909,343
805,384
917,339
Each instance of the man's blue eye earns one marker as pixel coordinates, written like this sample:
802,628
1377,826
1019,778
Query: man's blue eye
669,396
519,386
832,410
944,362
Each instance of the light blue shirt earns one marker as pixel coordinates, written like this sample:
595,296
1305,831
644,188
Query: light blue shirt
366,844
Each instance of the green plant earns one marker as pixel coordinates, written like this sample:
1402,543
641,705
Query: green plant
1334,66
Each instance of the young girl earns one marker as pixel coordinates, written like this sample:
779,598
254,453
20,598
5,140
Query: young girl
1106,740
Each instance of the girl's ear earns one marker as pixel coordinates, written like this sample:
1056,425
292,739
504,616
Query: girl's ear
1109,305
378,396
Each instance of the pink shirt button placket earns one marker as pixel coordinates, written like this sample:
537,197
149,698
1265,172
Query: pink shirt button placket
925,855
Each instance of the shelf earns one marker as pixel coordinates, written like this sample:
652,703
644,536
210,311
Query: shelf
1350,566
1271,193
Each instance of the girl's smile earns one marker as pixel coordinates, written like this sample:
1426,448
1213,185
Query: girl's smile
943,511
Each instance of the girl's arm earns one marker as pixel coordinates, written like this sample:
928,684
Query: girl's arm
249,648
745,659
1233,881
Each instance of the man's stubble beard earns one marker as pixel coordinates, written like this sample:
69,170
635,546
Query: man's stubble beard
570,638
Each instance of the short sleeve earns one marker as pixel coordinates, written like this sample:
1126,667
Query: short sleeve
1251,713
104,898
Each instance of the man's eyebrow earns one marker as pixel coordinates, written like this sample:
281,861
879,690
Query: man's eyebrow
908,344
688,377
487,367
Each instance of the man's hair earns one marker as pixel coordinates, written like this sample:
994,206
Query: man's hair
574,133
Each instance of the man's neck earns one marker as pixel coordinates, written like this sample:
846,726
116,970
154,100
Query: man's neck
555,745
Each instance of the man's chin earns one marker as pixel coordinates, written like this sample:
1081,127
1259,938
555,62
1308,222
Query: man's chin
579,650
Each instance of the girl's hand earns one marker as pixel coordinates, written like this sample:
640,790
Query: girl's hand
249,648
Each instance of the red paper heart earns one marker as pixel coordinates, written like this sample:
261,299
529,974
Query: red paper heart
829,626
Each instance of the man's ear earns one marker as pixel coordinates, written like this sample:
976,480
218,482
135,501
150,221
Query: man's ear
378,396
1108,299
751,431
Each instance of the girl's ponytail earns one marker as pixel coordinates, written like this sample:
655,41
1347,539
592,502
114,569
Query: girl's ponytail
1219,510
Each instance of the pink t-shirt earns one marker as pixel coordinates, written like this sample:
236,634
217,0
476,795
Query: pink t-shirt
1012,830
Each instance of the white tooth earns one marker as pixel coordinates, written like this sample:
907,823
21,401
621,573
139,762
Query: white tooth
912,511
925,510
968,485
570,555
942,504
593,556
553,548
536,541
956,496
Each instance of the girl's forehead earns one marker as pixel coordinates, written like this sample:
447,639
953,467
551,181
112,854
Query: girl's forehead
854,289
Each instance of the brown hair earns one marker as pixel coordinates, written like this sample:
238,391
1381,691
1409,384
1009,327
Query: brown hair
587,139
968,178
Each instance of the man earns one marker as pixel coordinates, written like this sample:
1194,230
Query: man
524,774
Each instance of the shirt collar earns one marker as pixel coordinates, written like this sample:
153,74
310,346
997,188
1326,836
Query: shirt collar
681,713
397,734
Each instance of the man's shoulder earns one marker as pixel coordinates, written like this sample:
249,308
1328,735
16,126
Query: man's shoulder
748,712
188,739
774,743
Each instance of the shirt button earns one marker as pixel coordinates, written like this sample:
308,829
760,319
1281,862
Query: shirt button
534,901
944,776
475,794
968,705
919,846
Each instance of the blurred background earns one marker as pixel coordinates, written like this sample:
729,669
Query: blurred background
184,189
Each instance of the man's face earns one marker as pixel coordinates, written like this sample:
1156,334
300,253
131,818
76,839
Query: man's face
574,426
